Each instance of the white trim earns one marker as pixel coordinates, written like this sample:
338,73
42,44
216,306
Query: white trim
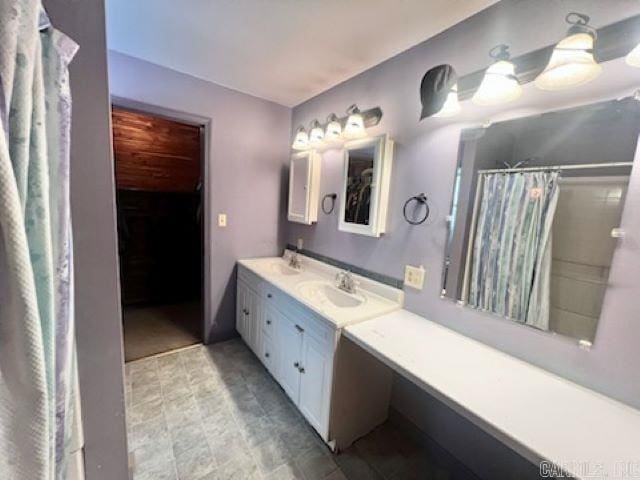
205,124
312,187
383,159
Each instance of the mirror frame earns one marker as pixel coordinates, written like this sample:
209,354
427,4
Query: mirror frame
312,188
382,162
467,147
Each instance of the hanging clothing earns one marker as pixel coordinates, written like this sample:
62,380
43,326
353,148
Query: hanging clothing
36,318
511,255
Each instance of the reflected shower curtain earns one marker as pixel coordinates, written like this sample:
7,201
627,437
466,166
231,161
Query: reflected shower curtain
37,363
511,256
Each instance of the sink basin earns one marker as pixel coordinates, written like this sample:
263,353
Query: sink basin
281,268
325,294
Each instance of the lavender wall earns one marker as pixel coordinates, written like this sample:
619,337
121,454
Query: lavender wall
425,160
97,290
248,158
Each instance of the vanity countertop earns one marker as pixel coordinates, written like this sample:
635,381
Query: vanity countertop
537,413
379,299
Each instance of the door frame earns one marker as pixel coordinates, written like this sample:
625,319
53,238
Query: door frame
204,123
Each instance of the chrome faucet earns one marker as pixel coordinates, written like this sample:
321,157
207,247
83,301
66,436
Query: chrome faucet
294,260
346,282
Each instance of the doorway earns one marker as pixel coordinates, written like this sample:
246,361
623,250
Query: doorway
160,211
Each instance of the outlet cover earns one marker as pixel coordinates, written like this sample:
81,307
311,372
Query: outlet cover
414,276
222,219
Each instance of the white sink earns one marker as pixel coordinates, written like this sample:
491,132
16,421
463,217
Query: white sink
281,268
323,293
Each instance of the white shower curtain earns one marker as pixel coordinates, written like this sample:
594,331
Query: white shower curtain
511,256
37,363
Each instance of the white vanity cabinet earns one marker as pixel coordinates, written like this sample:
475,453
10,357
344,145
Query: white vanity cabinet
247,315
294,345
304,187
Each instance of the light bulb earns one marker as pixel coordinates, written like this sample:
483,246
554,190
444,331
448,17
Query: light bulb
301,141
633,58
571,63
316,135
451,105
499,85
354,128
333,132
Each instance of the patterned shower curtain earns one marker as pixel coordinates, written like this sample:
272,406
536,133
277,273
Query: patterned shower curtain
37,362
511,256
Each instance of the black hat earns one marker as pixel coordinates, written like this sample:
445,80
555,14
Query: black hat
434,88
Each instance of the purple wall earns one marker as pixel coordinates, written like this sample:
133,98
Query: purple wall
248,159
425,160
97,289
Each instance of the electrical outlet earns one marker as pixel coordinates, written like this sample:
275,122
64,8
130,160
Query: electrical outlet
222,219
414,276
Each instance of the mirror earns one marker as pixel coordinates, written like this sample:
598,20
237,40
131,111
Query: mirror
304,187
534,204
367,172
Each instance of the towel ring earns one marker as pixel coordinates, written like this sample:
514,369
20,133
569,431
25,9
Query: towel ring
420,199
332,197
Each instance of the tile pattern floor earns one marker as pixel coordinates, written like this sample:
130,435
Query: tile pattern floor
214,413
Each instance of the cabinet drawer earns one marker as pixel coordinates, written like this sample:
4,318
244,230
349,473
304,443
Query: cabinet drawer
297,313
311,325
269,322
270,354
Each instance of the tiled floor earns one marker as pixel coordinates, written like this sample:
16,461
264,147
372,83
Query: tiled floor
215,413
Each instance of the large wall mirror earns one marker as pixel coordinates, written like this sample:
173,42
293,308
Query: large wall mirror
535,206
365,195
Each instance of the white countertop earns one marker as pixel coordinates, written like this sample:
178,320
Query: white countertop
380,298
540,415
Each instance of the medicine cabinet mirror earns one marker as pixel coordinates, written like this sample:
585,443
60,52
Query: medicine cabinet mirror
304,187
536,207
365,192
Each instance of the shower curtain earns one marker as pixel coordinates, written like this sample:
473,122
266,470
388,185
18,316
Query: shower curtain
511,255
37,362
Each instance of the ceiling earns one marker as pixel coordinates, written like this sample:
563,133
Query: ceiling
286,51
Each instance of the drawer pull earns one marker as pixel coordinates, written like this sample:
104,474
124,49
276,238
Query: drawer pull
301,369
266,354
300,329
268,322
297,365
269,295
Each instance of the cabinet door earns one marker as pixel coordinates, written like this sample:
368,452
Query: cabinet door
315,383
252,327
299,178
290,339
241,309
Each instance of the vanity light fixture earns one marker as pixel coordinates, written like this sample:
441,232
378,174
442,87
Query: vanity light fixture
301,140
333,132
633,58
451,105
354,128
316,135
500,84
571,63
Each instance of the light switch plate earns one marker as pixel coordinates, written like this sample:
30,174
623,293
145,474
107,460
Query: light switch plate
222,219
414,276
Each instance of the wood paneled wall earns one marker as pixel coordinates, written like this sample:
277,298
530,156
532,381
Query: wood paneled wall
155,154
157,163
